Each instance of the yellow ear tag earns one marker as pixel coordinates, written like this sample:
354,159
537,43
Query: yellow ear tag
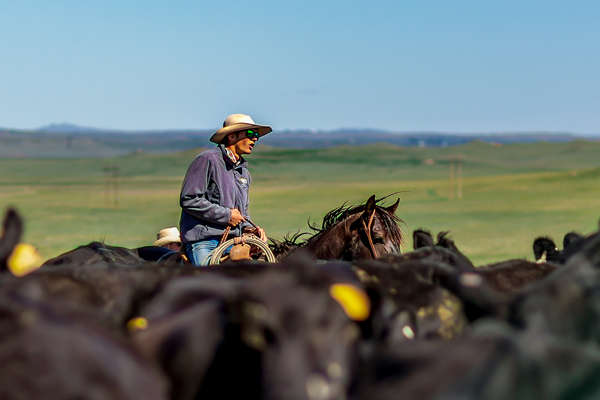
137,324
354,301
23,260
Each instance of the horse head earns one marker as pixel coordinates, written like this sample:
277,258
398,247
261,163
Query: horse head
368,230
375,231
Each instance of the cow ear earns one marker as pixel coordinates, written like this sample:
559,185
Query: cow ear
12,231
392,209
571,238
370,205
353,300
422,238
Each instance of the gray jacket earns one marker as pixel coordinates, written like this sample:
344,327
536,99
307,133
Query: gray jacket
212,186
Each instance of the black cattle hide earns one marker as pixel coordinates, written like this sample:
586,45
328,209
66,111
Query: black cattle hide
492,362
512,275
96,252
113,292
413,303
51,352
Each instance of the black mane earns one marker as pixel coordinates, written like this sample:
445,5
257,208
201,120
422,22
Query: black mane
390,221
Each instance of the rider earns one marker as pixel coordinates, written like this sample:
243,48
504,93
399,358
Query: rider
214,193
169,238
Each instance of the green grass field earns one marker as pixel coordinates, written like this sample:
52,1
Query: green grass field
510,193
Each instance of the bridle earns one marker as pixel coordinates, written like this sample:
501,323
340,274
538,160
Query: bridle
368,233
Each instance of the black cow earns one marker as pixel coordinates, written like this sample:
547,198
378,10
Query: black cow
544,248
564,303
274,335
504,276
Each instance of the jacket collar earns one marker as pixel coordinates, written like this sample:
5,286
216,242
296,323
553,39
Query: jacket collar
229,161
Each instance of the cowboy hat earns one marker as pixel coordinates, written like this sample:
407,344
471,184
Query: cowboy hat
236,123
166,236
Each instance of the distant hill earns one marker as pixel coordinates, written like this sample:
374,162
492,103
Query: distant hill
65,127
74,141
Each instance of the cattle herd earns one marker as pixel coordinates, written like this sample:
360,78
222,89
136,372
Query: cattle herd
101,322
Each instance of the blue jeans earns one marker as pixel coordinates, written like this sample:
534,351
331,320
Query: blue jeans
199,253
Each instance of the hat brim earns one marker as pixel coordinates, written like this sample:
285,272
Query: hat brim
219,135
166,240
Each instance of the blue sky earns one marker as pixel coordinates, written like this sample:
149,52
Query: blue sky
459,66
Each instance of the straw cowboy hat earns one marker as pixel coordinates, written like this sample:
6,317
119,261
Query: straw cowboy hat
167,235
236,123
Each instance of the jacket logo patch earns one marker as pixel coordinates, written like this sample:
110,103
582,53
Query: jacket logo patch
243,180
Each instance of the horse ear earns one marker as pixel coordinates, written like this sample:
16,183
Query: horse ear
392,209
370,206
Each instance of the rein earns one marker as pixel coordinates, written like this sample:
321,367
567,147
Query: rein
236,240
225,234
368,233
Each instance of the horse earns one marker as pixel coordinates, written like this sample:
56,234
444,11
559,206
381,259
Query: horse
364,231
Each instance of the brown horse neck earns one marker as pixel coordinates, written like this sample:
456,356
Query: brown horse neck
333,243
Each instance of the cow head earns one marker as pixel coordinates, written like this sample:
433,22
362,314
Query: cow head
303,334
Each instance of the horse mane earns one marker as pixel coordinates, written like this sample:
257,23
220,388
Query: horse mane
289,242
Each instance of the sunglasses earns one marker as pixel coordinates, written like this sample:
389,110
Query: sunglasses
251,134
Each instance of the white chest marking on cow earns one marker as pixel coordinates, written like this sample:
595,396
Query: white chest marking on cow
542,258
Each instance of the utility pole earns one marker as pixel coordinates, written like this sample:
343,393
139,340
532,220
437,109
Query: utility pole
111,185
451,179
459,178
456,178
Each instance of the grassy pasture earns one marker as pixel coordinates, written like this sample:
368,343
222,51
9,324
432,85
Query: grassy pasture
511,193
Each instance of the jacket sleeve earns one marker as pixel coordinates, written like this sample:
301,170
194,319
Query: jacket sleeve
193,194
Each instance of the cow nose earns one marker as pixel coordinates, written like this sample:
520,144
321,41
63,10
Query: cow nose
318,388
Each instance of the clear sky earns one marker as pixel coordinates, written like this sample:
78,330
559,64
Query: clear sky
461,66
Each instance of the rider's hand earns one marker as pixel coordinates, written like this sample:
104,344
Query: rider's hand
258,232
262,234
236,217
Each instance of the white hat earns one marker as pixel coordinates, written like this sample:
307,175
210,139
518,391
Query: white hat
167,235
236,123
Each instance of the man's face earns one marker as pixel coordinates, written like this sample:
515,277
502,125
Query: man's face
241,144
173,246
